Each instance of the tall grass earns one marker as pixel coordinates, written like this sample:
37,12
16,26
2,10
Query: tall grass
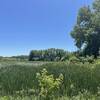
77,77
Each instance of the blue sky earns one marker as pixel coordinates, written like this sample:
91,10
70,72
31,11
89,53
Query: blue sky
37,24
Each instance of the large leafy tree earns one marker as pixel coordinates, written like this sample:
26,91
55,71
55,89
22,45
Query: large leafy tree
86,32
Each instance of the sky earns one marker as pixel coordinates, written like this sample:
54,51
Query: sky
37,24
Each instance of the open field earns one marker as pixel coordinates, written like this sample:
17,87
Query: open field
16,77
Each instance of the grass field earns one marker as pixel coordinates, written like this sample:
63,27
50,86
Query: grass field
80,80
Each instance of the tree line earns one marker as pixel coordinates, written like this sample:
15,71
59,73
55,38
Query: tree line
51,54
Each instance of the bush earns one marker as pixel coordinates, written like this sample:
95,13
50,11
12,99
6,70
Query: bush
48,86
73,59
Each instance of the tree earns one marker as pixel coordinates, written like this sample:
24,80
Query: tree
86,32
51,54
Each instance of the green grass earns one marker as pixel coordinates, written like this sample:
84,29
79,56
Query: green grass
17,76
78,97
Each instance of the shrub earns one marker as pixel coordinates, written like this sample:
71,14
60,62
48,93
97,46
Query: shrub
74,59
48,85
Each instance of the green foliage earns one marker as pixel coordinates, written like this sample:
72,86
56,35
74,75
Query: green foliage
87,29
80,96
48,55
87,59
21,77
74,59
48,85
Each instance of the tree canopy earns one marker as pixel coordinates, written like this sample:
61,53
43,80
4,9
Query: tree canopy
86,32
51,54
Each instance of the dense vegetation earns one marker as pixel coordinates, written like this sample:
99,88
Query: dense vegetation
87,30
48,55
20,79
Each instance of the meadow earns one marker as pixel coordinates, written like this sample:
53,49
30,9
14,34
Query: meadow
80,81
